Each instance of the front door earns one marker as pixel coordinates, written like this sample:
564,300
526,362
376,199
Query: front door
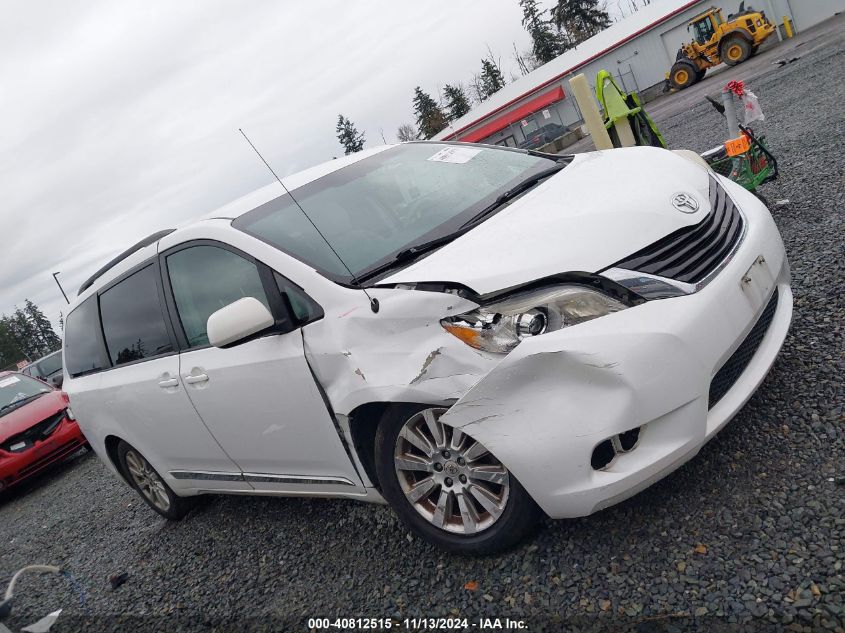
258,398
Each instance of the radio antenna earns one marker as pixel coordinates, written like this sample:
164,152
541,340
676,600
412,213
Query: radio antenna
374,305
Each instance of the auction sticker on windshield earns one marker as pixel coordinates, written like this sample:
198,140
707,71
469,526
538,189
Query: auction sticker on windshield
11,380
455,155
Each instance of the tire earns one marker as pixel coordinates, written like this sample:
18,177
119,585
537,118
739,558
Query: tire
149,484
735,50
467,526
683,75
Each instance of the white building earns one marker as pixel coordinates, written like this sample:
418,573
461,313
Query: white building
638,51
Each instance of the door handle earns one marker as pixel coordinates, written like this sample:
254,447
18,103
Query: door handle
172,382
192,380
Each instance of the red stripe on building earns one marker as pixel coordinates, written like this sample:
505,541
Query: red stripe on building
560,76
530,107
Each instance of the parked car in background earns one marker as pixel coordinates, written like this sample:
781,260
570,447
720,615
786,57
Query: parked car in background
493,334
48,369
543,135
37,427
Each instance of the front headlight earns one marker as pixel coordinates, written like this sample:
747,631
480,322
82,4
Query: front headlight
501,326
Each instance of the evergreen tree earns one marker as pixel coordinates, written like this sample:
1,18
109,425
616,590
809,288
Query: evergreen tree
350,138
457,101
406,132
491,79
26,335
546,43
10,351
430,118
579,20
47,338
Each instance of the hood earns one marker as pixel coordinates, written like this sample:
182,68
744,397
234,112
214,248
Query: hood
31,413
601,208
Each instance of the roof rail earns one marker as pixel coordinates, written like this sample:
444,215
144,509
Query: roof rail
150,239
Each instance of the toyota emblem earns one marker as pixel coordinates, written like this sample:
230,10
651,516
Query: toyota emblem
685,203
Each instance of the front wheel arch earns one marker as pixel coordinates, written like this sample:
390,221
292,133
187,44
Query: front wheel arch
363,426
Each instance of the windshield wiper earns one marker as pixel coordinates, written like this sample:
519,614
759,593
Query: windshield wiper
410,253
514,191
17,403
418,249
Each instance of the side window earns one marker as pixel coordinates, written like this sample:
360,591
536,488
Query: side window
133,323
305,309
82,339
205,279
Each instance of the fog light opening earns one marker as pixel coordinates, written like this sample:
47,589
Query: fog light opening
606,451
603,454
628,440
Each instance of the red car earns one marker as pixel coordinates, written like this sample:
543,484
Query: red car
37,427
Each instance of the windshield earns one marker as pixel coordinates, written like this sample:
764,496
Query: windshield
702,30
16,388
49,364
373,209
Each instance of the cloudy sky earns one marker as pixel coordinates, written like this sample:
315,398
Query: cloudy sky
120,118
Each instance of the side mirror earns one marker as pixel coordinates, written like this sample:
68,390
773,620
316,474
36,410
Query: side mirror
58,381
237,321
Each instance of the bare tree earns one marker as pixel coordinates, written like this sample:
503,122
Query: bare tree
476,88
525,61
521,61
406,132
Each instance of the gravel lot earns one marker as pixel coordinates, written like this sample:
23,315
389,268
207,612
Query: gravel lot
749,531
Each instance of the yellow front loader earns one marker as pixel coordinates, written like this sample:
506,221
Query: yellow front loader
716,40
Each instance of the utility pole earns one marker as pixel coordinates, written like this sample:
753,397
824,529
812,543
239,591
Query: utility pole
55,276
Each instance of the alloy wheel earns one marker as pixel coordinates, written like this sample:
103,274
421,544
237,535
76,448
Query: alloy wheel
450,479
147,480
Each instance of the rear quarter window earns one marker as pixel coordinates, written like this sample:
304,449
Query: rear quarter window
83,347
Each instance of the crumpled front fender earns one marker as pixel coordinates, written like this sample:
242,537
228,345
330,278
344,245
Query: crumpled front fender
400,354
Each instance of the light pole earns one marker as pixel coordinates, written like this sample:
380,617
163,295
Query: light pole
55,276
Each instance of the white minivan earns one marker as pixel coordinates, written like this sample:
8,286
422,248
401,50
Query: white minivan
477,335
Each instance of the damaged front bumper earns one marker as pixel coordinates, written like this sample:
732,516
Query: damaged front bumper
551,402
